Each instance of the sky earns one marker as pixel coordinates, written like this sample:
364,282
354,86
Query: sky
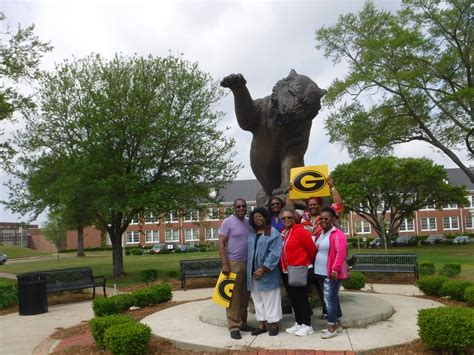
263,40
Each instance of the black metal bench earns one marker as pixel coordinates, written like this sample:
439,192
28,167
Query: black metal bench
199,268
73,279
406,262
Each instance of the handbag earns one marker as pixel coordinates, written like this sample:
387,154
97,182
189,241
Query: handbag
297,275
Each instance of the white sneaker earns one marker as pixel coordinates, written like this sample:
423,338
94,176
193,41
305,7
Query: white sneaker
328,335
339,330
293,329
304,330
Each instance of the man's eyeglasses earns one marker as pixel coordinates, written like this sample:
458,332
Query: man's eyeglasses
275,204
238,207
324,218
286,218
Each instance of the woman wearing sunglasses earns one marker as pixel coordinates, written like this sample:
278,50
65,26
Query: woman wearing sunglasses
298,250
275,204
330,267
263,273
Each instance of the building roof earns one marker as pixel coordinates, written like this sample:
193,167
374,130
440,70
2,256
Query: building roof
246,189
457,177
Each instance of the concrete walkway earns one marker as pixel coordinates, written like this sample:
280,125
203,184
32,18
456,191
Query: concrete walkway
25,335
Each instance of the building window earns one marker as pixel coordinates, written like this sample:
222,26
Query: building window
212,233
362,227
133,237
450,206
407,225
345,226
191,216
469,222
450,223
171,217
152,236
213,214
150,218
134,220
191,235
428,207
470,198
172,235
428,224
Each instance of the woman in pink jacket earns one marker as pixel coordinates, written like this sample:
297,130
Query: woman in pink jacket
330,266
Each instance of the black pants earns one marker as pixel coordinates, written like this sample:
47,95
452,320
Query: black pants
299,300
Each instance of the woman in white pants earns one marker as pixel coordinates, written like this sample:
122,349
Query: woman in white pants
263,273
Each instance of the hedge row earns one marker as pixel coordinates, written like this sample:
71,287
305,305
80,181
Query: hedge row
8,295
140,298
439,285
120,334
447,328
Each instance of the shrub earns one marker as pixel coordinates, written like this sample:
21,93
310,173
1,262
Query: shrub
178,250
427,269
100,324
450,328
136,251
8,295
469,295
141,298
148,275
450,270
431,285
455,289
172,274
129,338
164,250
112,305
127,252
355,282
202,249
447,242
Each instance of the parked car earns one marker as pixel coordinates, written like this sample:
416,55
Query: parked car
3,258
435,239
404,241
157,248
462,239
185,248
376,243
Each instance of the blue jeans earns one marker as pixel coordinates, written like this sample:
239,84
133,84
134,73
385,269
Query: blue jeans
331,298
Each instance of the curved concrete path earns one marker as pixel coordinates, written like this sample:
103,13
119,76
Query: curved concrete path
182,325
26,335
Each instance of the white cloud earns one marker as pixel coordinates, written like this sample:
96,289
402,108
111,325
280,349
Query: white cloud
261,39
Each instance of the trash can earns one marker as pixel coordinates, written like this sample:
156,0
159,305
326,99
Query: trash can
32,297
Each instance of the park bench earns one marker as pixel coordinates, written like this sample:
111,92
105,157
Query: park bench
72,279
395,262
199,268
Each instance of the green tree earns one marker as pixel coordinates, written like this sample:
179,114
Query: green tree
386,190
410,78
20,54
55,230
120,138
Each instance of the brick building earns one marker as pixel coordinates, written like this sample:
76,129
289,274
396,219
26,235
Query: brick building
202,226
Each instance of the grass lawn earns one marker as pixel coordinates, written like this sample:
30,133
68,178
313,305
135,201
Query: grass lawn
437,254
101,264
14,252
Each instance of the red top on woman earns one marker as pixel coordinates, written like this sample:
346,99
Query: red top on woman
298,248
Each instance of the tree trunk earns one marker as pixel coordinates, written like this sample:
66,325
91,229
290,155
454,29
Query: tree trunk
80,241
117,255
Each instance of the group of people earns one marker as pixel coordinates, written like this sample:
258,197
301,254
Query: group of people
266,249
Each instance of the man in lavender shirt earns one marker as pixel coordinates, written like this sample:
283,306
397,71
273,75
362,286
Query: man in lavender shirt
233,236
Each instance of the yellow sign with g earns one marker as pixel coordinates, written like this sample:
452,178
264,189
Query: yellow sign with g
309,181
